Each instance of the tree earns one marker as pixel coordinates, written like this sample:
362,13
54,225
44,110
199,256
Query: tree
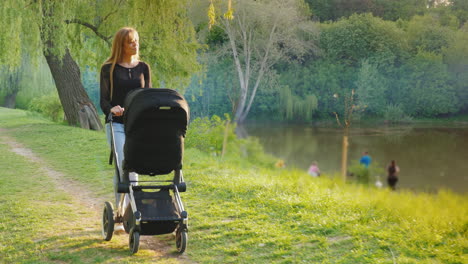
427,34
456,58
371,88
427,90
344,120
260,34
460,8
361,37
74,33
334,10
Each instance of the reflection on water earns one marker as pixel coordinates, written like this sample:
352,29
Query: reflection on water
429,157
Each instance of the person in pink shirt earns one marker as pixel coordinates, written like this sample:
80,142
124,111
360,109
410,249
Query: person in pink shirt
314,170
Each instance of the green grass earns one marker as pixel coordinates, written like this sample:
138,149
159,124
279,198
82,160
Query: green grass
238,214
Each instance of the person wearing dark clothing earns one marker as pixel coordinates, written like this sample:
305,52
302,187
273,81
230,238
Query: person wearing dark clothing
121,72
125,79
392,177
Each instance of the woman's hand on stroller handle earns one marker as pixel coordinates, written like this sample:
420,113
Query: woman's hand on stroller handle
117,110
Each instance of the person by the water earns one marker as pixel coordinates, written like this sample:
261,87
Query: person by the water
365,159
314,170
392,177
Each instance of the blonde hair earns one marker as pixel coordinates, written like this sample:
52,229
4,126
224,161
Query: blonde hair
116,56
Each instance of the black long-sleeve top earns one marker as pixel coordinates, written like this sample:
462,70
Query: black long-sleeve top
125,79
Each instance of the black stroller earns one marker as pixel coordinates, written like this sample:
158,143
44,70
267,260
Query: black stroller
155,126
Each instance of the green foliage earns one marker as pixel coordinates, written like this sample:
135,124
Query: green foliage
428,90
360,172
460,9
293,107
386,9
455,56
207,135
167,36
89,78
362,37
322,78
212,93
364,175
49,106
395,114
418,65
372,88
427,34
35,81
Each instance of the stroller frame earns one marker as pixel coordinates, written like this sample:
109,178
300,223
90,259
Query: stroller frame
136,223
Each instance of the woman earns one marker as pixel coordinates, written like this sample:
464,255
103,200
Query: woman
392,177
120,73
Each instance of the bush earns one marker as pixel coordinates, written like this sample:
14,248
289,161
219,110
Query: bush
360,173
366,175
207,135
395,114
49,106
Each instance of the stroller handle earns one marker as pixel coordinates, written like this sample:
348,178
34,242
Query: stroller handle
109,117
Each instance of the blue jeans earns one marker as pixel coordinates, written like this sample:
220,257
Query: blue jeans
119,139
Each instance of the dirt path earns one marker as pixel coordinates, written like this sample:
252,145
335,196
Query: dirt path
81,194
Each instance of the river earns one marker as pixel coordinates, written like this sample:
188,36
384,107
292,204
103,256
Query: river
430,156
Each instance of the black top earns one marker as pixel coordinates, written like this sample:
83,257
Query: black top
125,80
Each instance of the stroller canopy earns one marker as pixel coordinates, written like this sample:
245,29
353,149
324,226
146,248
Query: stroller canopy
155,125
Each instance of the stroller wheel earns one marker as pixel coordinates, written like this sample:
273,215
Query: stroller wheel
134,241
107,222
181,240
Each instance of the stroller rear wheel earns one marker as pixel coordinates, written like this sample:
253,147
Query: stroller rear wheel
107,222
181,240
134,241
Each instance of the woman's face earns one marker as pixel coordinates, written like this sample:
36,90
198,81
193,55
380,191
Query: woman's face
131,45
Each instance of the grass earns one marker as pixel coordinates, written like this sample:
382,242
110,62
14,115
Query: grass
238,214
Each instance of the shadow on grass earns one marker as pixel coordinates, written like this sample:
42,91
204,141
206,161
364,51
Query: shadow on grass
88,247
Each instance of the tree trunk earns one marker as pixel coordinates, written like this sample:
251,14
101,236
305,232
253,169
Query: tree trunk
344,155
78,108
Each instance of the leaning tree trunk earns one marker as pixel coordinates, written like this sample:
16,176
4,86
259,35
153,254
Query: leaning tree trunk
78,108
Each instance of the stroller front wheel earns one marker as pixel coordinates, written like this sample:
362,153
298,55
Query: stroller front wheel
134,241
107,221
181,240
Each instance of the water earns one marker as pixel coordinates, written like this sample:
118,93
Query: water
430,157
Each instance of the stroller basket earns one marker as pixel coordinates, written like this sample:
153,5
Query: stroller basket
157,207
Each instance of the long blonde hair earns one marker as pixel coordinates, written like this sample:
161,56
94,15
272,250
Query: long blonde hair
120,37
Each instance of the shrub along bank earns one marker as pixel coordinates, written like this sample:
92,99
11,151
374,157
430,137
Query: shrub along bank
240,211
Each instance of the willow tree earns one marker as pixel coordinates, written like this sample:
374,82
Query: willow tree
262,33
72,34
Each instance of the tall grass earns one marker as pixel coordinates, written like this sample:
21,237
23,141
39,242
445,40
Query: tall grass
238,214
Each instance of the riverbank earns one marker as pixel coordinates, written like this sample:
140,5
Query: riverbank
238,214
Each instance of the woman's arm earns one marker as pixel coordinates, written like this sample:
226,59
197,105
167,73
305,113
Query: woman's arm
105,100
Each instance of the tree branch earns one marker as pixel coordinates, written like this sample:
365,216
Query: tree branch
92,27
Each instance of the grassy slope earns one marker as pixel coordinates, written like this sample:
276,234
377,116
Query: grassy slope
237,214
